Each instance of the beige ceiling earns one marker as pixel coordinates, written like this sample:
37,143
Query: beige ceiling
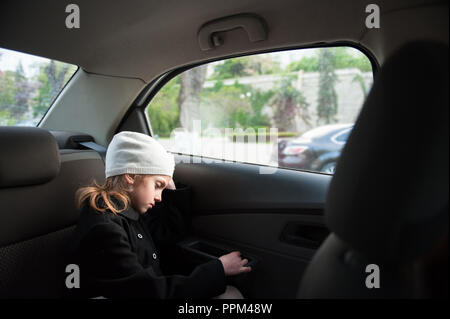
142,39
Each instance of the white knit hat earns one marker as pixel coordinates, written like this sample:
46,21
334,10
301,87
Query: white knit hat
137,153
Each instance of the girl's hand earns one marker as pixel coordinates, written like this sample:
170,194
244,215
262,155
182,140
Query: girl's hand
171,185
233,264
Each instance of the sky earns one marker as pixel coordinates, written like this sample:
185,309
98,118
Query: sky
10,59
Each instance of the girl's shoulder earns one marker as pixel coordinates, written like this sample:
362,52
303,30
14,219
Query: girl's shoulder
93,221
105,213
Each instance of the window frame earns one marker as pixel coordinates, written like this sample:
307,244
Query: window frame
149,92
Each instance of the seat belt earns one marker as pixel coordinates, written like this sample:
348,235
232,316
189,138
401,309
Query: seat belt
96,147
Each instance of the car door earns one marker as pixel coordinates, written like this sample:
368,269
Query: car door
274,220
241,199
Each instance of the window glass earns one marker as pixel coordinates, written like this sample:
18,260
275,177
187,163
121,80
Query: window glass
28,86
291,109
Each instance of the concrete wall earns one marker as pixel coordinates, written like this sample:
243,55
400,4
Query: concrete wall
349,92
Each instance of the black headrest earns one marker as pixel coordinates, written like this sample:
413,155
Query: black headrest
29,156
389,195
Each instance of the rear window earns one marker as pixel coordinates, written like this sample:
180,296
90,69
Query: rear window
28,86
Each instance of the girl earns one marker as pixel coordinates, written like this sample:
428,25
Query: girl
113,241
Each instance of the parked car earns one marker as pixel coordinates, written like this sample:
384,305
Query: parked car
316,150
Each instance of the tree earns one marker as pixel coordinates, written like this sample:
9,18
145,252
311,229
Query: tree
55,78
261,64
43,98
358,78
24,90
225,106
230,68
236,105
51,79
307,64
289,103
258,99
19,94
163,110
191,85
344,58
245,66
7,90
327,105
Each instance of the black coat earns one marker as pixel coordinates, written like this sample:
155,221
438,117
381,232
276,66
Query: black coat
118,254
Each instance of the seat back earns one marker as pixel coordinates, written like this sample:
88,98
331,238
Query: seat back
387,204
37,187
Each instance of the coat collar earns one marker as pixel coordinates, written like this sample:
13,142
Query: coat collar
130,212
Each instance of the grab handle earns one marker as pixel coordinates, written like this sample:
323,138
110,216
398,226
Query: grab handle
252,24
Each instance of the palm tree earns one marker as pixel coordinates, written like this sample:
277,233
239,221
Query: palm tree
358,78
288,104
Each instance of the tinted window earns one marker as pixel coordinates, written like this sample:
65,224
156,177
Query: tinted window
279,109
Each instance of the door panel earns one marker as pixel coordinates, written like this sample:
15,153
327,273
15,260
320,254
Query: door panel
275,218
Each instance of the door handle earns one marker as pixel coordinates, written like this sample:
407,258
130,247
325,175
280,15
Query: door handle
304,235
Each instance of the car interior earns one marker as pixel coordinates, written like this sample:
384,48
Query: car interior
305,234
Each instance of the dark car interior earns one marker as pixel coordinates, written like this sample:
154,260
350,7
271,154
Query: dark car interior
305,234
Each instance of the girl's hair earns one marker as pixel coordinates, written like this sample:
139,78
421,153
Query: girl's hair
114,186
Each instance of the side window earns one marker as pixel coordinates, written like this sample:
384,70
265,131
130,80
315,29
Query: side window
28,86
291,109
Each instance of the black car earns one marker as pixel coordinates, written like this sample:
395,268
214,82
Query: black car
315,150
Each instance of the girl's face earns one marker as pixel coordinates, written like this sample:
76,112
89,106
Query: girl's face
149,191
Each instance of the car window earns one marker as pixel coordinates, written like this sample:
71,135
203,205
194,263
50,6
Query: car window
28,86
282,109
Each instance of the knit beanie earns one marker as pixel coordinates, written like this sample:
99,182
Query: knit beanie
137,153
